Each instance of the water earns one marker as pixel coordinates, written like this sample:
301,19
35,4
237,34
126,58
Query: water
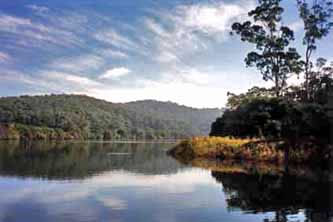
138,182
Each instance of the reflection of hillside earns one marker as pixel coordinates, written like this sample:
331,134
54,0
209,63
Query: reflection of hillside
80,160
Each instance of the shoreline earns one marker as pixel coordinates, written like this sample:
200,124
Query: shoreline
225,148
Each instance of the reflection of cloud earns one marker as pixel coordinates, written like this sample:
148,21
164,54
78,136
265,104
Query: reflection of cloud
181,182
113,203
190,192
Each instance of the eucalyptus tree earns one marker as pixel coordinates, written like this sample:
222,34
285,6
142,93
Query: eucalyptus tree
273,56
317,18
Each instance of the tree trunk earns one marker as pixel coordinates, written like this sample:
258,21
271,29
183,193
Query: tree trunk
277,87
286,156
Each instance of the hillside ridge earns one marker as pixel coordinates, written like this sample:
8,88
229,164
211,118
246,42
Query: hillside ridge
84,117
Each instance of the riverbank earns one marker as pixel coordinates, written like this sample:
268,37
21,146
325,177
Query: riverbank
225,148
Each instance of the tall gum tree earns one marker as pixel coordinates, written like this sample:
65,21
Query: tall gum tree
273,56
317,19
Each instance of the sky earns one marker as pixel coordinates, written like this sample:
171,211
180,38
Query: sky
125,50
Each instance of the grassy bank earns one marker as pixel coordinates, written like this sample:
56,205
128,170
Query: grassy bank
246,149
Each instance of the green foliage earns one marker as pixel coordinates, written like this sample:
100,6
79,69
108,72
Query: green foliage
317,19
273,118
254,93
82,117
273,56
318,86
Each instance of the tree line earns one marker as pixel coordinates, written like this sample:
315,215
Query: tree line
83,117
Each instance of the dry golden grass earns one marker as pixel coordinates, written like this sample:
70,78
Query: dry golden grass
226,148
209,145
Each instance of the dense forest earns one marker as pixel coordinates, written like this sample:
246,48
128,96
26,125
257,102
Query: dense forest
83,117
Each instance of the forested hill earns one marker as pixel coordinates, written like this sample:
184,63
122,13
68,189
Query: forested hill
83,117
199,119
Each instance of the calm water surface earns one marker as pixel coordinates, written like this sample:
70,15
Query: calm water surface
94,181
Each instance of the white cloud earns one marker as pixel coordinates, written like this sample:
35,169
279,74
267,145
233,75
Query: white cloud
4,57
183,93
297,25
113,53
165,57
212,18
188,28
10,22
115,73
64,77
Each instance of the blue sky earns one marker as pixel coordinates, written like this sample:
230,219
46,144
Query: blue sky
125,50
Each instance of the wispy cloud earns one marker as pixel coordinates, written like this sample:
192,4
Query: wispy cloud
115,39
30,33
40,10
4,57
115,73
78,64
188,28
69,78
113,53
14,75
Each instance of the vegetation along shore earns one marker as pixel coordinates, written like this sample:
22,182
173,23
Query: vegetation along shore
290,122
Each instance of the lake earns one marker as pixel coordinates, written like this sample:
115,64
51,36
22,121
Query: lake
96,181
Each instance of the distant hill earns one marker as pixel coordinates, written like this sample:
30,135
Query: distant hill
83,117
199,119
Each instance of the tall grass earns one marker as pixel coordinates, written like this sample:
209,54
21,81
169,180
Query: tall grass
226,148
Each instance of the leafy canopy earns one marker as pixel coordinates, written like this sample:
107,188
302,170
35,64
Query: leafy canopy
273,56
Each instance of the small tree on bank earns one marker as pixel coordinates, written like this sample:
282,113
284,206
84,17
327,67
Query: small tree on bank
273,56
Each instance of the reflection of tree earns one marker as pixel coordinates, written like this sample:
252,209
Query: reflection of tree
284,195
74,160
267,187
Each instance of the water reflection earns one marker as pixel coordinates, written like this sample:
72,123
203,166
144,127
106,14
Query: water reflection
139,182
78,160
258,188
